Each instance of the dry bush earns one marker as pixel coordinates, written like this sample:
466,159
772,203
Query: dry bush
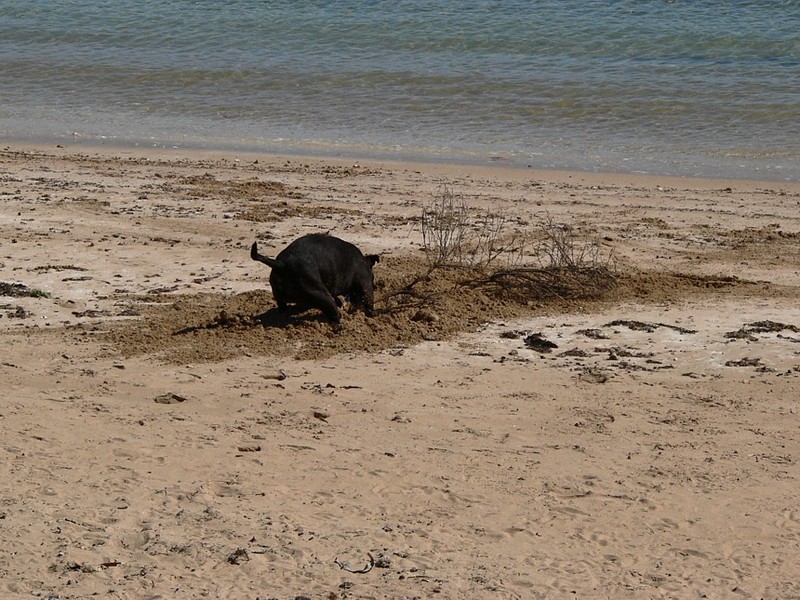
452,237
570,268
560,248
524,285
483,251
445,223
496,242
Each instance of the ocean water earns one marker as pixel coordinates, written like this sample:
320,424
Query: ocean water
680,87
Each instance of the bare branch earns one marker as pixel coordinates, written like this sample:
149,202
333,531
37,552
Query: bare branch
366,569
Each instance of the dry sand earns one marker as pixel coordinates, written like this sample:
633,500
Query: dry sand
166,434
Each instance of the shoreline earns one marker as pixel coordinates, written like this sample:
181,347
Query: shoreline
499,168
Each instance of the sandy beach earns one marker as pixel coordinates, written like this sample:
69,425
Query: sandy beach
167,434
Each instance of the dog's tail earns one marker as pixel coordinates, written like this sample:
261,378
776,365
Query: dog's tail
271,262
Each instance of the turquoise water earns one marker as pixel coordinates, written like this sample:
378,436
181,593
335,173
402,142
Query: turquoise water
688,88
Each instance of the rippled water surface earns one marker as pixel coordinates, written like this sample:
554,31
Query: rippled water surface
692,88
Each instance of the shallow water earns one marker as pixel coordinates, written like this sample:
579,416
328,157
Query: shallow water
684,88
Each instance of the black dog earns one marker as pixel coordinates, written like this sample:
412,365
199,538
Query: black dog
314,270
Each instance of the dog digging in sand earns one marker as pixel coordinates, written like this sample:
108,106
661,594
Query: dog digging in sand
315,270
